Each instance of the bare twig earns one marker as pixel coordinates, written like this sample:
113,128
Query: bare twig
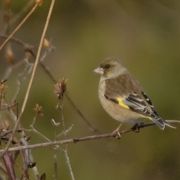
68,162
60,142
91,127
113,134
33,129
53,79
30,47
33,71
26,46
19,25
18,17
66,154
56,176
6,16
9,164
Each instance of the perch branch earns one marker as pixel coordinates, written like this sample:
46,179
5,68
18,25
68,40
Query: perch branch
114,134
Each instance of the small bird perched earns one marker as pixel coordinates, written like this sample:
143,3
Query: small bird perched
122,97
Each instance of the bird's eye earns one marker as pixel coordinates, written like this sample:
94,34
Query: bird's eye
106,66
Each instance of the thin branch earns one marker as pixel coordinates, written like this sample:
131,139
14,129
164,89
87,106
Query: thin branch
68,162
53,79
33,129
33,72
91,127
19,25
29,48
114,134
9,164
66,154
60,142
55,175
18,17
26,46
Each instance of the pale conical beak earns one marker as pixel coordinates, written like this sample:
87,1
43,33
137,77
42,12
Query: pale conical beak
99,70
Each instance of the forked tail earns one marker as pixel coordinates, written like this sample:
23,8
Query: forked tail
161,123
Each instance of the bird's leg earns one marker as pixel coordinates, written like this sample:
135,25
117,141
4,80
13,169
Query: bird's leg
116,132
136,128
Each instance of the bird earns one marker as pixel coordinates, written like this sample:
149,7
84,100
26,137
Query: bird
123,97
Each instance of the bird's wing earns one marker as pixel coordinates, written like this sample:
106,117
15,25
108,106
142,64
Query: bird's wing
137,103
141,104
127,93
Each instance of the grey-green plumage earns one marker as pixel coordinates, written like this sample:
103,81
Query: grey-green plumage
122,84
122,96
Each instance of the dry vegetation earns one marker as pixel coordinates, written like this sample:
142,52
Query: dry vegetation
17,161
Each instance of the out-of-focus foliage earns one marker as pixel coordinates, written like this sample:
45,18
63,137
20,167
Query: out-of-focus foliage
146,36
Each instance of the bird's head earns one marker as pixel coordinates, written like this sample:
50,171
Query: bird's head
110,68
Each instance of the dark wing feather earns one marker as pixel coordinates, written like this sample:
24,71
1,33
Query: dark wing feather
141,105
134,97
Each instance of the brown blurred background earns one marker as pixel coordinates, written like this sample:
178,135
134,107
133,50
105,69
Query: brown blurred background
146,37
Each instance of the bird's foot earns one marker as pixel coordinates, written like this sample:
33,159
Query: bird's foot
116,133
136,128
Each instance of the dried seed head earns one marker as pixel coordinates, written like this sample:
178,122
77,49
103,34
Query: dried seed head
4,125
60,88
46,43
38,110
9,55
3,87
39,2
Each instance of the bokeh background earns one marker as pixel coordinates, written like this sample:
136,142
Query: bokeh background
145,35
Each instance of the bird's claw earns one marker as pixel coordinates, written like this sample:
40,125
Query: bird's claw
136,128
116,133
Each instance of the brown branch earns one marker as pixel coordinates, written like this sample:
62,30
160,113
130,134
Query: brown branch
53,79
60,142
9,165
26,46
18,17
115,134
19,25
29,48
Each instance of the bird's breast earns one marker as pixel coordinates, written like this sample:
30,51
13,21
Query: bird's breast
115,110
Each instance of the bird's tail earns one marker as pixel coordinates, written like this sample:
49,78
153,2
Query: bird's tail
161,123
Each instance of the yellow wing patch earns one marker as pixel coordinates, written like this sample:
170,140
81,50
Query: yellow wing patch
121,103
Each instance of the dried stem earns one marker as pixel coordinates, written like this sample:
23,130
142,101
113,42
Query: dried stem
21,14
53,79
33,72
30,47
114,134
66,154
19,25
68,162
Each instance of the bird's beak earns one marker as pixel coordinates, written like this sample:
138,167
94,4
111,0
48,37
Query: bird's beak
99,70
